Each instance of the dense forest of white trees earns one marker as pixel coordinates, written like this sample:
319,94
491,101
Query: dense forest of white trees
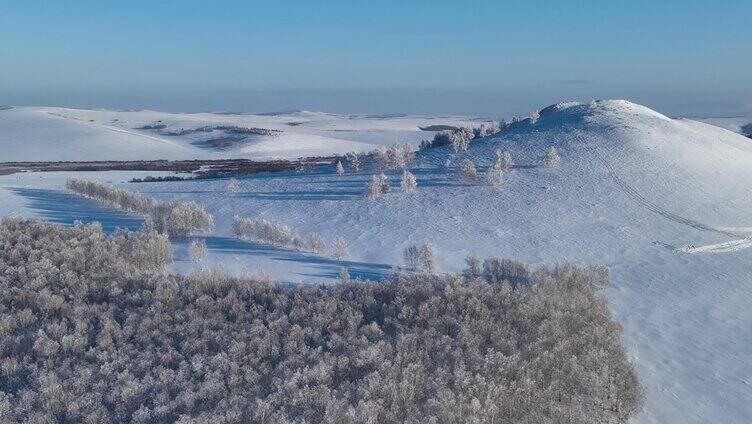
93,330
174,218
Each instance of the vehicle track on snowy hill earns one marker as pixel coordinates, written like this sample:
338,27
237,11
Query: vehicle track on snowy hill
635,195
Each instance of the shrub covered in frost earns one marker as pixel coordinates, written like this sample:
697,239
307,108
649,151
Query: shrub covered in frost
353,159
377,187
408,183
339,248
534,117
197,250
552,157
316,243
467,172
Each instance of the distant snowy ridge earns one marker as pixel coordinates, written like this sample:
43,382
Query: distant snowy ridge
50,133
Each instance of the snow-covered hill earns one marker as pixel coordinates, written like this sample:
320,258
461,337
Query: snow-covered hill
738,124
50,133
664,203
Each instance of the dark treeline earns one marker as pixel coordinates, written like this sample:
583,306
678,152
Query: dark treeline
93,330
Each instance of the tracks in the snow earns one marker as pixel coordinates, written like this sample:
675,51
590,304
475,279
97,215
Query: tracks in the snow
631,192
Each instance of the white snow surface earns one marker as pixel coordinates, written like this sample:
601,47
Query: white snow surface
61,134
737,124
664,203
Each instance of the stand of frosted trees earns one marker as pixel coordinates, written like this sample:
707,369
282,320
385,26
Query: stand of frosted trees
396,156
197,250
503,159
460,138
173,218
467,172
377,187
420,258
95,331
269,231
353,159
266,231
494,175
408,183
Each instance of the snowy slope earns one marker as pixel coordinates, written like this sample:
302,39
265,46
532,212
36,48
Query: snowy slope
48,133
29,134
664,203
737,124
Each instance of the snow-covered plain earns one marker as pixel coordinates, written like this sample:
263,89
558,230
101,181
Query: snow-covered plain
60,134
664,203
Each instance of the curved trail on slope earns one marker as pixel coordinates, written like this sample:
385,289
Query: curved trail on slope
647,204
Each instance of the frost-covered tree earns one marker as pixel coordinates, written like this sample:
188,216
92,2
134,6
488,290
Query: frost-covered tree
514,272
534,117
412,257
427,259
344,275
373,189
298,242
494,175
420,258
408,183
378,186
461,140
552,157
316,243
408,154
340,169
353,158
384,183
503,159
339,247
380,158
233,185
395,158
467,172
197,250
473,272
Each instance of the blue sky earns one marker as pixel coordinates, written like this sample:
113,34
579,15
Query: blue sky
481,57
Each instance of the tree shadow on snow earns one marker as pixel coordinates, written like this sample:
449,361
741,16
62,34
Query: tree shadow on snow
65,209
320,266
